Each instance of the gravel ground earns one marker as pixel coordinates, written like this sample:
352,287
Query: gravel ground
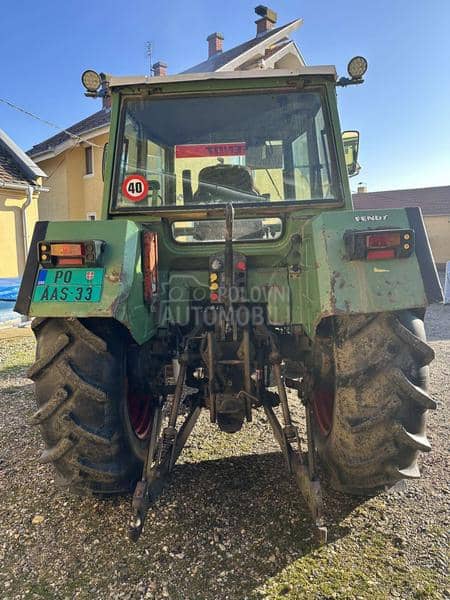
231,524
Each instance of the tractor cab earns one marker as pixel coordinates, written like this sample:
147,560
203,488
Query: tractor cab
264,141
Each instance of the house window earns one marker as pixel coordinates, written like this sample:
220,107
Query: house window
91,216
88,161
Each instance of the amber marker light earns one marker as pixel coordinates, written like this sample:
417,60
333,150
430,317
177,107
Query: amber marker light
66,249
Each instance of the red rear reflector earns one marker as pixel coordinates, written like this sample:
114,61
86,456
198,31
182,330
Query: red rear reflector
66,249
376,244
380,254
69,261
383,240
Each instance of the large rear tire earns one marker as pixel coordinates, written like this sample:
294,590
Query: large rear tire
370,398
81,388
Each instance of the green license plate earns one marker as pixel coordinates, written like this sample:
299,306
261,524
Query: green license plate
68,285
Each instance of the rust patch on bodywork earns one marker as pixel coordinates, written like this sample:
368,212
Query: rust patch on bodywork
333,282
113,276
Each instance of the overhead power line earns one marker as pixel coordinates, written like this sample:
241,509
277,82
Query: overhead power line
49,123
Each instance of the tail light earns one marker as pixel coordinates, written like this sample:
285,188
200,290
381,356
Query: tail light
150,266
379,244
69,254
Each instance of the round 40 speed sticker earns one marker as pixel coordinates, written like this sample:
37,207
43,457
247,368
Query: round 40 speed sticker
135,188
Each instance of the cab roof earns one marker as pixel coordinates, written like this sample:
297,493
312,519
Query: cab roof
322,70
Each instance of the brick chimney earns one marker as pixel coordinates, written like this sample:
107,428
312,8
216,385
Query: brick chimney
159,69
362,188
215,43
267,20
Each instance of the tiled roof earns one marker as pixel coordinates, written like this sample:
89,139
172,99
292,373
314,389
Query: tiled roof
15,165
222,58
10,169
432,200
98,119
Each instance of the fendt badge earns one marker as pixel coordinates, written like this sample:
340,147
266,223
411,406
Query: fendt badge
363,218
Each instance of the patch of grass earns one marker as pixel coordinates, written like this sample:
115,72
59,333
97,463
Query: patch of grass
16,356
368,568
40,590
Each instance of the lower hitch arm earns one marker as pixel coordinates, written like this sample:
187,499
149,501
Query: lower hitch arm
162,453
303,470
307,481
152,483
141,497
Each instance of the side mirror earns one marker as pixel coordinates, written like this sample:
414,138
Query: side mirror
350,139
104,157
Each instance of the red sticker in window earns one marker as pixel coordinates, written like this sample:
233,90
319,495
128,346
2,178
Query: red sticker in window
135,187
203,150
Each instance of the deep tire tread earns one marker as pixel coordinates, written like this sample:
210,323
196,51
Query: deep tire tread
415,394
79,378
63,446
410,472
79,385
424,352
76,328
90,436
378,419
414,441
62,341
46,410
102,473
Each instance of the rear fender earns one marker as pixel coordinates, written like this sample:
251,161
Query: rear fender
331,284
122,294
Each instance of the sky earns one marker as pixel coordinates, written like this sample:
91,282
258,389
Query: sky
401,111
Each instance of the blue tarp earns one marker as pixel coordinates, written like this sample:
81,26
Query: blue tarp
9,288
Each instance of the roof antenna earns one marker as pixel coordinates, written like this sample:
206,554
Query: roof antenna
149,53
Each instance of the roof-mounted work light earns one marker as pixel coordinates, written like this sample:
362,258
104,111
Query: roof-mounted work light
356,68
91,81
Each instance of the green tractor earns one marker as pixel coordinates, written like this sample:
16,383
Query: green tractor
230,273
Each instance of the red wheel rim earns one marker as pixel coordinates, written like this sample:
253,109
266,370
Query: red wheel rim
323,402
140,413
